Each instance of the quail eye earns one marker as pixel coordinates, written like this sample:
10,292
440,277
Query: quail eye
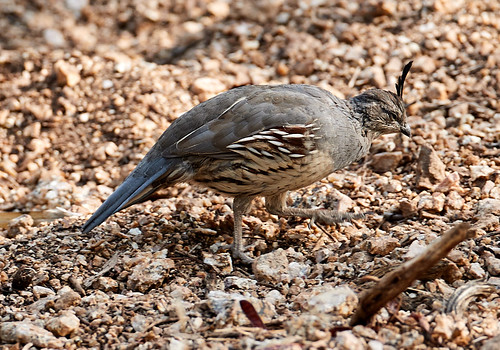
391,114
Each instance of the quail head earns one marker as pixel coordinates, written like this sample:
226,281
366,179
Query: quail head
263,141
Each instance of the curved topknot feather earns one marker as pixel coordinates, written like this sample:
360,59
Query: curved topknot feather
401,79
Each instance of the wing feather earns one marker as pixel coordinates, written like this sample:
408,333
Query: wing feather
244,114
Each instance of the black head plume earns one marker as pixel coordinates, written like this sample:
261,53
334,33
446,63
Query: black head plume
401,80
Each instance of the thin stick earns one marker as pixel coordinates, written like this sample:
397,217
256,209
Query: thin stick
109,265
398,280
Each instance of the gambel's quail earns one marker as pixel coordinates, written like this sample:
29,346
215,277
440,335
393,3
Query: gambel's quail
263,141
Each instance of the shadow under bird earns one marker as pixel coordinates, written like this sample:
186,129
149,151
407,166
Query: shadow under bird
263,140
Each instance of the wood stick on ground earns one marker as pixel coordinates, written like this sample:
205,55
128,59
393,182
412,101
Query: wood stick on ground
398,280
108,266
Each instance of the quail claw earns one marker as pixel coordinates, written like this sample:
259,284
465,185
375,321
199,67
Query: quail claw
312,222
238,254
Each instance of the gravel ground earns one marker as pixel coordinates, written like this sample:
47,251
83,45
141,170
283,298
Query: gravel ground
87,87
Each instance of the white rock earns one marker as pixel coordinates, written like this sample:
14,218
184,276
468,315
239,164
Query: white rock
298,270
455,201
322,254
444,326
107,84
476,270
149,273
67,297
54,37
381,245
339,300
375,345
488,206
458,110
221,261
19,225
228,310
393,186
76,6
272,267
437,91
123,66
40,292
274,297
282,18
434,202
193,27
424,64
450,182
135,231
354,53
386,161
84,117
415,249
430,168
178,344
66,73
487,187
375,75
38,146
219,9
448,6
106,284
139,323
347,341
239,282
470,139
207,85
248,45
493,265
478,171
26,332
111,149
344,202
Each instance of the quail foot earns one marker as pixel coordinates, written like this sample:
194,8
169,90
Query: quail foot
263,140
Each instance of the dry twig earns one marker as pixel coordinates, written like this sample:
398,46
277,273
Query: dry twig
398,280
108,266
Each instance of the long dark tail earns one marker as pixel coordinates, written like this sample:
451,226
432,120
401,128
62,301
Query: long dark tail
150,175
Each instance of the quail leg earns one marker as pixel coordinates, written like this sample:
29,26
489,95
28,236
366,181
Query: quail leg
241,206
277,205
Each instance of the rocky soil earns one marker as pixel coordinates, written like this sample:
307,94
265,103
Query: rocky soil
86,87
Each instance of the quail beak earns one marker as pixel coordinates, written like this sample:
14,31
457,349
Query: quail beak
405,130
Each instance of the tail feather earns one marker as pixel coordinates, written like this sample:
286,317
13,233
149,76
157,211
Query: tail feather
137,187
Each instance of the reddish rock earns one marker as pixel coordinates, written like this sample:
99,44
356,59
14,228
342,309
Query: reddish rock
430,168
386,161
